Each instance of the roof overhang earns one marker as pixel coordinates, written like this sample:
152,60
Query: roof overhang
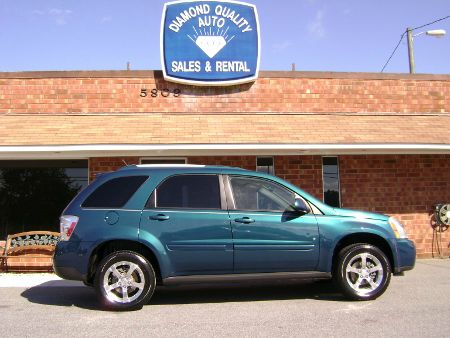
143,150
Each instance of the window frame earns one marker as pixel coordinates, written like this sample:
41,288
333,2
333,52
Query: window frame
338,181
232,202
273,165
151,201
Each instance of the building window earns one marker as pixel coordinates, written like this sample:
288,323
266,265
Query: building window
163,160
331,189
265,165
33,193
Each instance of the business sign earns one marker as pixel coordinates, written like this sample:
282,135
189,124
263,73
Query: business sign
210,42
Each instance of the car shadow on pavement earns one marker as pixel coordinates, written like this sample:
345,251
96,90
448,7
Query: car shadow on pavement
58,293
246,292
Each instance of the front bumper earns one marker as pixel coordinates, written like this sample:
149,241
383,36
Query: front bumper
406,256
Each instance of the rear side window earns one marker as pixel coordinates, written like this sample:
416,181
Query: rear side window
114,193
187,191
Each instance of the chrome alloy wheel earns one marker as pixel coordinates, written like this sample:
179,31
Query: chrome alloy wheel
123,282
364,273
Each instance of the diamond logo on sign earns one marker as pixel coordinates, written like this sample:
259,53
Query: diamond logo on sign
210,42
211,45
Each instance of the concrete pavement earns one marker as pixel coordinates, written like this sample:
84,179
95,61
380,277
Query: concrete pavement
415,305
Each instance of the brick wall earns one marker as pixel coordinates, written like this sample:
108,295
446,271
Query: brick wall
246,162
405,186
303,171
285,92
27,264
29,260
99,165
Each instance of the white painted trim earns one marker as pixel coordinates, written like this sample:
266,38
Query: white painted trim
89,169
184,150
222,146
170,166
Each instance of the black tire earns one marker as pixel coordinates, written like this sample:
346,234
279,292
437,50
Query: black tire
133,277
90,285
358,280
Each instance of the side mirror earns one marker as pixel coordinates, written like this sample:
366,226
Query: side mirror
301,207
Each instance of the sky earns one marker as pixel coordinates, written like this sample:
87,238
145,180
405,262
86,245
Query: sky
316,35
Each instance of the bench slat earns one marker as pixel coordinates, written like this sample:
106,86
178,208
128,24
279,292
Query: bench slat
30,247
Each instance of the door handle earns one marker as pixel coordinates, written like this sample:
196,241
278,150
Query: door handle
245,220
159,217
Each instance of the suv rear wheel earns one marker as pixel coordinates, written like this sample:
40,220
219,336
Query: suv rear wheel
362,272
125,281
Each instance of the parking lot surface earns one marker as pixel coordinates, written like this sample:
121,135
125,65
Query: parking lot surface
416,305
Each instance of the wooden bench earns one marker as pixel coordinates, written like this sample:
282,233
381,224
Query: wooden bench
29,251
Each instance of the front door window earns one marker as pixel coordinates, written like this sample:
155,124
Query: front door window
262,195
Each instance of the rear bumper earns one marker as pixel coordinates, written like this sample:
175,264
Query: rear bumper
70,260
67,273
406,256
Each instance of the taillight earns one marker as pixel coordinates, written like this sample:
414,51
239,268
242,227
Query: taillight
67,226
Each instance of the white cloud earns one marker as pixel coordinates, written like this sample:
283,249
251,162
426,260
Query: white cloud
282,45
59,12
105,19
60,16
316,27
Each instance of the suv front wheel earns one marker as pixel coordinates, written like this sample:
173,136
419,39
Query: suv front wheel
125,281
363,272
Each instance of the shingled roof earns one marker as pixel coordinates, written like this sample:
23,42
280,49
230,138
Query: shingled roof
283,110
301,130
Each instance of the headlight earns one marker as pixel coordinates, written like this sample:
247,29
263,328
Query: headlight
397,227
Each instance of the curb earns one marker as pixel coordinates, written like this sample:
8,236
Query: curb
28,280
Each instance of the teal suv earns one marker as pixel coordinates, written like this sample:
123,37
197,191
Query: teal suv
146,225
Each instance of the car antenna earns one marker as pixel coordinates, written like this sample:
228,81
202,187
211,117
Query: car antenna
126,164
